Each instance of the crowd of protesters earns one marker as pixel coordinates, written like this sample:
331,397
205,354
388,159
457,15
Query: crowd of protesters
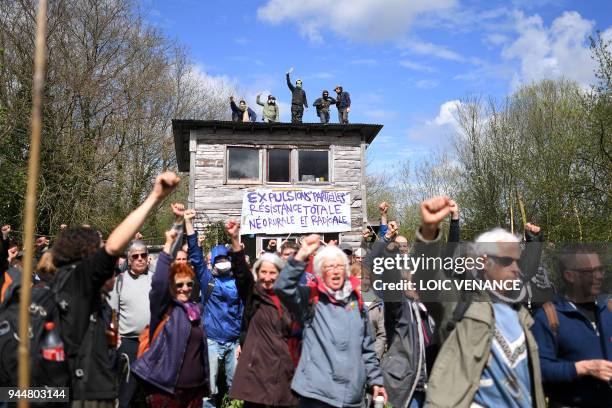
304,325
299,102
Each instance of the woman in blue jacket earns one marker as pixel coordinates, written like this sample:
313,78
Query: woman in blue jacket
338,358
175,368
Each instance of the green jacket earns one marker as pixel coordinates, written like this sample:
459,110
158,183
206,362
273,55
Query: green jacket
270,111
455,377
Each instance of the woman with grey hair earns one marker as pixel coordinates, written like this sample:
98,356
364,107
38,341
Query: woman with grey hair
338,357
265,365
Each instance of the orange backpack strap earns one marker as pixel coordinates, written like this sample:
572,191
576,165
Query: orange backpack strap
161,325
551,315
610,305
144,342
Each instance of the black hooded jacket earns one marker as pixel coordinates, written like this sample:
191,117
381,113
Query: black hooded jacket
298,95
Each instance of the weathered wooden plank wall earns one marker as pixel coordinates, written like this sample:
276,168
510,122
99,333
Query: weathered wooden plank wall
216,201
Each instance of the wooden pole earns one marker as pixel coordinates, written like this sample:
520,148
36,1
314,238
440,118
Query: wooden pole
523,213
30,203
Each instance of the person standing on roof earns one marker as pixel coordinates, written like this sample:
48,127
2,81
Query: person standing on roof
322,104
298,99
241,112
271,112
343,103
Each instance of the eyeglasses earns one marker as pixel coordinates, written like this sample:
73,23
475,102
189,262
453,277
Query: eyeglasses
599,269
503,260
179,285
337,267
144,255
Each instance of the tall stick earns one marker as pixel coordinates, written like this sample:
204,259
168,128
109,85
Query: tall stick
30,204
523,213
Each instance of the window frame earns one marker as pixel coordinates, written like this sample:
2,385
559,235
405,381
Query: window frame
267,164
226,163
330,175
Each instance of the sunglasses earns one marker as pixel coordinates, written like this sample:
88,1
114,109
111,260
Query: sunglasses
141,256
503,260
179,285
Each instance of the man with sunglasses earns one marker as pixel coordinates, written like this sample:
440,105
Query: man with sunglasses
574,333
488,356
298,99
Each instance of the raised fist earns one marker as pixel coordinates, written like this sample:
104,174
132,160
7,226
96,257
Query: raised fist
434,210
178,209
232,227
138,236
12,253
190,214
41,242
392,230
366,234
383,207
310,244
165,184
171,235
534,229
63,226
6,230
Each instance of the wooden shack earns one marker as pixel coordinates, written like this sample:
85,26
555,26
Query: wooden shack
226,159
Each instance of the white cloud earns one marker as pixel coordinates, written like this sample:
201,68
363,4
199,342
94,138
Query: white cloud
359,20
561,50
416,66
436,133
426,48
446,115
496,39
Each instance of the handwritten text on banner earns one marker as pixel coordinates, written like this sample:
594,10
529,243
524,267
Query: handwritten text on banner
295,211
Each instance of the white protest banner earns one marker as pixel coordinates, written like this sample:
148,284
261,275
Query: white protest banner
300,210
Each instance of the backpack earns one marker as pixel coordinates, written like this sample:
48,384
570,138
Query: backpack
43,308
144,340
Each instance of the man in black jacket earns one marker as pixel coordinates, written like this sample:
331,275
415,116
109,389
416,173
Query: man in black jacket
298,99
83,312
322,104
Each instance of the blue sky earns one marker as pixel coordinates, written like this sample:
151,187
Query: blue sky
406,63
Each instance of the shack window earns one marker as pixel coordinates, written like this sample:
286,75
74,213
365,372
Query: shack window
242,163
279,165
313,166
